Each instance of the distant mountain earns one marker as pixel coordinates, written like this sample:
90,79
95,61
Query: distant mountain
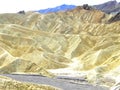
109,7
63,7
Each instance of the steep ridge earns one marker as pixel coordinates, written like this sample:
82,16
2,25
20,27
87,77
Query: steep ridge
115,18
78,40
76,15
70,21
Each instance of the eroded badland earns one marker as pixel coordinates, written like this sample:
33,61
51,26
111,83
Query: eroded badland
79,42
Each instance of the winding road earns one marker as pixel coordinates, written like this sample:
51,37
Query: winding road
63,83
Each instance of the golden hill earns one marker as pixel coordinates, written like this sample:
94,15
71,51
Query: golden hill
78,40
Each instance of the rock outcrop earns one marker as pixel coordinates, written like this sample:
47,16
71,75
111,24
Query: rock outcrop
115,18
87,7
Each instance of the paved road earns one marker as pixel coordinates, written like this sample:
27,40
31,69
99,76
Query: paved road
60,83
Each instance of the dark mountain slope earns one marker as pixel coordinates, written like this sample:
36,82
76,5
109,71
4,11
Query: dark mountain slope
109,7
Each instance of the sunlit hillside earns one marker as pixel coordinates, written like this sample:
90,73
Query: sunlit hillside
78,42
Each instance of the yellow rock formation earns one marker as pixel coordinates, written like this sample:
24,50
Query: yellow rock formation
79,40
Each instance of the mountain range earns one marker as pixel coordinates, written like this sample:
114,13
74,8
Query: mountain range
108,7
63,7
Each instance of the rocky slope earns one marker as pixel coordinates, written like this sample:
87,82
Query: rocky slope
109,7
115,18
80,41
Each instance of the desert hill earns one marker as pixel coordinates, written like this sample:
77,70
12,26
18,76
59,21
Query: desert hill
78,40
